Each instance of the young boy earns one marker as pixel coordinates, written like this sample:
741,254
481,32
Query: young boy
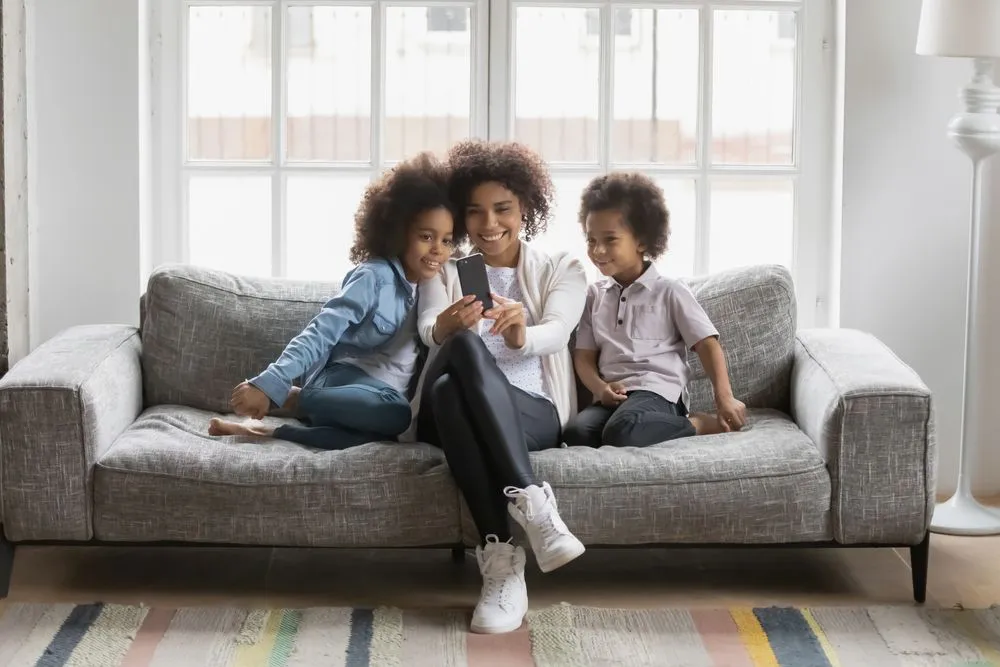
637,327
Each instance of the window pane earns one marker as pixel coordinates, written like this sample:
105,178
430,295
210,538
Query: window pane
564,232
428,79
328,81
753,86
656,87
678,261
229,223
229,83
751,223
320,217
556,83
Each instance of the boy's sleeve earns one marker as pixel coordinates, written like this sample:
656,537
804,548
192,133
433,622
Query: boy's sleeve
350,307
585,332
690,318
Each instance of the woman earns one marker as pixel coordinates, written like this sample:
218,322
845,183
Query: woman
500,383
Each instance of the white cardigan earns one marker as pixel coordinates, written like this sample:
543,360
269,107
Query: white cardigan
555,290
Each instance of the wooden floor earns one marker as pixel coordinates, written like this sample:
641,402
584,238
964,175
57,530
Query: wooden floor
963,571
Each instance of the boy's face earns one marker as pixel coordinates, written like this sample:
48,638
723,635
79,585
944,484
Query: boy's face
612,246
428,244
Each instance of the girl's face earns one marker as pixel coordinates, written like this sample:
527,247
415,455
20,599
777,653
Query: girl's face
612,246
428,244
493,220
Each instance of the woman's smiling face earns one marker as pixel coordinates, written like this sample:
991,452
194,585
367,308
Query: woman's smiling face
493,220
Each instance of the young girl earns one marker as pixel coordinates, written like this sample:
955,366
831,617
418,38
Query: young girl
359,353
500,383
637,326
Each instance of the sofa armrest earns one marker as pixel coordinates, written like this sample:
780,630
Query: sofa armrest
61,407
872,419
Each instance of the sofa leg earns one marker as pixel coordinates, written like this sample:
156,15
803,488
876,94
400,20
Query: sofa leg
6,564
919,560
458,555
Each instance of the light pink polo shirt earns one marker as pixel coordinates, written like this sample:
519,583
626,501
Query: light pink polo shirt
642,332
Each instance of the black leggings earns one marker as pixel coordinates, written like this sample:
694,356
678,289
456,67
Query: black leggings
485,426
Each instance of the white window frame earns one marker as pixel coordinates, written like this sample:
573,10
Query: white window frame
492,116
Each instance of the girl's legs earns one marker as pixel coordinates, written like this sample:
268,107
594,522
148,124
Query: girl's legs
351,409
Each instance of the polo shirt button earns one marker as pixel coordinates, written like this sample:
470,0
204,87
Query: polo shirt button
621,321
623,299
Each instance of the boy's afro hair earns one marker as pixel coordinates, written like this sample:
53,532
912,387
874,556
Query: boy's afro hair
640,201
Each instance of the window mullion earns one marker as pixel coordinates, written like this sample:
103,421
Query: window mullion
377,113
703,206
605,85
278,249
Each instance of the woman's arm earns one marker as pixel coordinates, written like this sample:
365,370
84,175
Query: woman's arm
563,308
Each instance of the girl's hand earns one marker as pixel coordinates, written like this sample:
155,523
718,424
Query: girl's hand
460,315
508,321
249,401
732,413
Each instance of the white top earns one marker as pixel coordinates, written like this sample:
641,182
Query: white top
394,362
523,372
554,288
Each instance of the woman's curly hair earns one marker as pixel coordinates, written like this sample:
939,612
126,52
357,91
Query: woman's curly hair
391,203
640,201
515,166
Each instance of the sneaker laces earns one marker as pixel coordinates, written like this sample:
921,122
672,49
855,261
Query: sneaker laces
497,568
545,521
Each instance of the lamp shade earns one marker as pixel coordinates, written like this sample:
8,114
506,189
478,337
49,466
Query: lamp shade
960,28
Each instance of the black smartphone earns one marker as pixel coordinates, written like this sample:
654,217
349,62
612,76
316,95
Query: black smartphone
472,277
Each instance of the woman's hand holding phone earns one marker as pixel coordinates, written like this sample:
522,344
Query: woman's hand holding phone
460,315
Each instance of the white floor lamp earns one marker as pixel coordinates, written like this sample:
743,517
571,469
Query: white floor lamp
968,29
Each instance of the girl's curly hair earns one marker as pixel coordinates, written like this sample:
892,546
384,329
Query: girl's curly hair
393,201
515,166
640,201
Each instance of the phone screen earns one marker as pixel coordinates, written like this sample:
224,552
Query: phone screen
472,276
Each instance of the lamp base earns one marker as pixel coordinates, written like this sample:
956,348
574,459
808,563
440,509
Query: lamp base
964,515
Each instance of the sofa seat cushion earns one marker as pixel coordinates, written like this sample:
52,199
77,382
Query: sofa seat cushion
766,484
166,479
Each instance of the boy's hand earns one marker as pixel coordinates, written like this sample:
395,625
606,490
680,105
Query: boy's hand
731,412
249,401
612,395
509,321
460,315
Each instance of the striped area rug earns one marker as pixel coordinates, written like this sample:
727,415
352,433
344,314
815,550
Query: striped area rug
561,636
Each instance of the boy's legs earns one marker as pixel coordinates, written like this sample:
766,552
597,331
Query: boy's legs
646,419
586,428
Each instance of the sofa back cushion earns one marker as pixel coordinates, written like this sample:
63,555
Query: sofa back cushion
754,311
205,331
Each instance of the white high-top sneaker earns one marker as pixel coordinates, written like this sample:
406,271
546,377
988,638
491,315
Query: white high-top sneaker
503,601
535,509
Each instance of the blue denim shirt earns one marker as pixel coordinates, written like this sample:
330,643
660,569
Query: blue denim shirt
374,301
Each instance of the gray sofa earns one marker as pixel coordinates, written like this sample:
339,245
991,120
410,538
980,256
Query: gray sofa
102,440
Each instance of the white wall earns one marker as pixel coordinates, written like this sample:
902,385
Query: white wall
906,211
84,175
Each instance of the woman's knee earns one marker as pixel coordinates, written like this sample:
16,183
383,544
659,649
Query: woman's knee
465,347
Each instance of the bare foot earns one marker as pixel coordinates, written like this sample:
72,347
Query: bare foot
292,402
705,424
222,427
